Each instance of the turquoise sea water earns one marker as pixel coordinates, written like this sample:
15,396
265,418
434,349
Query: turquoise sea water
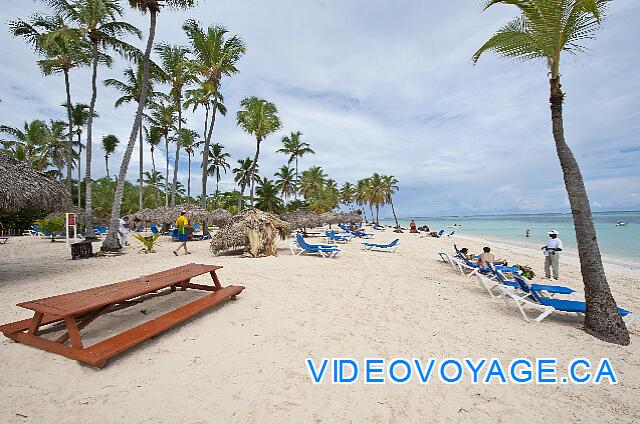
615,241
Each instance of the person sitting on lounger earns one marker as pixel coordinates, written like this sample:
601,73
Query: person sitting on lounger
465,252
486,258
413,228
353,228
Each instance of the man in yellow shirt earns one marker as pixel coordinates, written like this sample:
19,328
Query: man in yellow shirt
182,224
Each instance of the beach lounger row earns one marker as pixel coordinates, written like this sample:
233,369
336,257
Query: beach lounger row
539,297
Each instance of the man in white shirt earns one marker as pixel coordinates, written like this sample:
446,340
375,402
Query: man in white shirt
552,255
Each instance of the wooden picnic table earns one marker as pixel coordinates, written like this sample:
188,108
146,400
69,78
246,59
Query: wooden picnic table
78,309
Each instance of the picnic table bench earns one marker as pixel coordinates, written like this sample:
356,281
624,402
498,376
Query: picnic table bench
78,309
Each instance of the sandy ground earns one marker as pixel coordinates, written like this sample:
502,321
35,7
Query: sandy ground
244,362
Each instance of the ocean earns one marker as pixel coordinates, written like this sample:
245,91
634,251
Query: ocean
615,241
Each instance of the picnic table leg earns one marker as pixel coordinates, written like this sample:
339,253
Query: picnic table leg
74,333
35,323
216,281
88,320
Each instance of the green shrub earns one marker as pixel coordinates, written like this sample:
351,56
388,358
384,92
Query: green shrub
52,224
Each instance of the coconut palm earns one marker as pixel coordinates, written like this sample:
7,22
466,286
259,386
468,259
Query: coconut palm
361,195
109,143
97,21
153,7
259,118
389,187
267,196
154,137
60,55
215,56
131,89
347,193
155,180
544,30
296,149
375,193
218,160
28,144
285,181
242,176
186,138
80,118
177,71
56,147
311,180
163,118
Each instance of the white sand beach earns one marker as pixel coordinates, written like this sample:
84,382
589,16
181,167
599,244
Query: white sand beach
244,362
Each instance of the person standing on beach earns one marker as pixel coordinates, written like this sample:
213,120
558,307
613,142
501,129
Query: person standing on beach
182,223
552,255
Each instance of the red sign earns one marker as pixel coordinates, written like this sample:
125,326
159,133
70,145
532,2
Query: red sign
72,218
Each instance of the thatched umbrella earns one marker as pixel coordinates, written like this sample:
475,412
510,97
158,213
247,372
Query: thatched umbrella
165,214
340,218
253,230
302,218
23,187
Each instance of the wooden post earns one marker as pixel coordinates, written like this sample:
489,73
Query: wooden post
35,323
216,282
74,333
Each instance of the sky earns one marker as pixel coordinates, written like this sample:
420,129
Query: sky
387,87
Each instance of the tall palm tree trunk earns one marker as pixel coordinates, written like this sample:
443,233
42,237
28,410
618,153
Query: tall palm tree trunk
88,212
189,177
166,185
602,319
240,198
393,209
79,169
177,159
140,165
295,189
377,214
253,169
106,165
205,158
111,242
155,176
70,125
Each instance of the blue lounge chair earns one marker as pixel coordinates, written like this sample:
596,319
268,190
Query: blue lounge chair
390,247
465,264
440,233
361,234
547,306
154,229
333,237
451,233
518,283
300,246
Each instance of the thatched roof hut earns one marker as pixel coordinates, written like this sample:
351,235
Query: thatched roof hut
302,218
253,230
340,218
23,187
195,213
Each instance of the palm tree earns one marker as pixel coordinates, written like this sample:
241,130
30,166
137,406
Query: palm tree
176,70
375,193
286,181
154,137
389,187
258,118
109,143
215,57
347,194
131,90
80,117
55,148
163,118
97,20
186,138
153,7
218,160
312,180
61,55
267,196
292,146
361,195
28,144
544,30
242,177
154,179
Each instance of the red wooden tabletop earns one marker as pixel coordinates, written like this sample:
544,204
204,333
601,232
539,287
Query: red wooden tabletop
80,302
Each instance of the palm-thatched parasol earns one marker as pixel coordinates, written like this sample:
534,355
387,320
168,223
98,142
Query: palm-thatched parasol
340,218
302,218
23,187
253,230
166,214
